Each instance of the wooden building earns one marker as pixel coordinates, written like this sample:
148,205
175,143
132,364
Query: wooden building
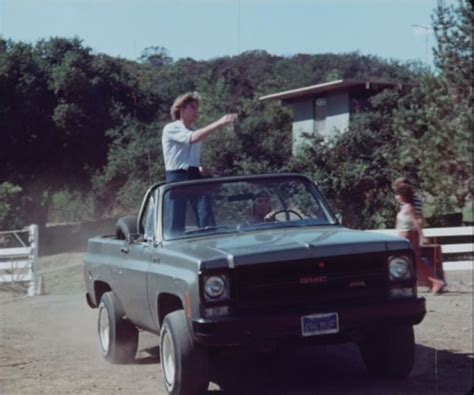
326,109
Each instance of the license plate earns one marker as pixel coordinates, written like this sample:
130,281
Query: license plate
319,324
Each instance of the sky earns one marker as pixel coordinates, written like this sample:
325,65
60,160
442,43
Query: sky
206,29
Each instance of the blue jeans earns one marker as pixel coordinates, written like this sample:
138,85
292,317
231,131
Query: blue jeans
177,205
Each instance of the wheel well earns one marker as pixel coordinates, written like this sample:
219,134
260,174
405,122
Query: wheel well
100,288
167,303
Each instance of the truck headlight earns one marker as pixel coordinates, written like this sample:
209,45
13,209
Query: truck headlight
216,287
400,267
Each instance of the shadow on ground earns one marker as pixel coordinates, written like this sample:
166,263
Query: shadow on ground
148,356
334,369
339,369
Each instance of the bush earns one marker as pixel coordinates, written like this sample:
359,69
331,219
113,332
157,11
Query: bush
9,195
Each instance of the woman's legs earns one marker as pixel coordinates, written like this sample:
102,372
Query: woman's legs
423,272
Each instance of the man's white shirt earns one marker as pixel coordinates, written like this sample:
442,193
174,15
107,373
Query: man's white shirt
178,152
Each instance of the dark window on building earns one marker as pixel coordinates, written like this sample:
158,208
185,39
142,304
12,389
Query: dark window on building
320,113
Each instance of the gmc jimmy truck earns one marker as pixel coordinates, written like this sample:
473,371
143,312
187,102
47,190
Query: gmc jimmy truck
295,277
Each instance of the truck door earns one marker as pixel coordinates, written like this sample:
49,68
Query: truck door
132,281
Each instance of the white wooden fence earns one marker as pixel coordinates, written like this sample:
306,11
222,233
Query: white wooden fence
449,250
19,258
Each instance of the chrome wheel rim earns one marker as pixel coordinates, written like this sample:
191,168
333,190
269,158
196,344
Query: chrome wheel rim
168,361
104,330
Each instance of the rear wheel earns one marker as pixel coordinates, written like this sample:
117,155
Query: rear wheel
390,352
118,338
184,363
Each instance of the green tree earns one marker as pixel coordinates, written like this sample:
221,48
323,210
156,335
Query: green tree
58,100
453,54
134,162
156,56
8,209
435,121
435,144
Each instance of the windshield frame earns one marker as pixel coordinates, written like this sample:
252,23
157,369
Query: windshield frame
270,178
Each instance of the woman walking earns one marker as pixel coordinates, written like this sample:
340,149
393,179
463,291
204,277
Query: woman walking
408,227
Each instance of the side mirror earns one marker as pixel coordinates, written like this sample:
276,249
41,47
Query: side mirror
339,217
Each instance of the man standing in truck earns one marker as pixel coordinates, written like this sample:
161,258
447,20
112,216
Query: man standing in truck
181,152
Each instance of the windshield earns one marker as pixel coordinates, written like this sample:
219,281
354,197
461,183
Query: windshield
240,206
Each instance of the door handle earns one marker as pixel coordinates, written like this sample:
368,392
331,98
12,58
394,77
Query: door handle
125,250
155,259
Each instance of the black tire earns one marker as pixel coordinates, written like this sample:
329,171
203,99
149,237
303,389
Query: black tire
118,338
390,352
184,363
126,227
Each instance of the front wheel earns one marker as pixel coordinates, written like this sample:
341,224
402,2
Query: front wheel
118,338
389,353
184,363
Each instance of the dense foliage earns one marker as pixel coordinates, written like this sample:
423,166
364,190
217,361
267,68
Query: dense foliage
57,102
85,128
435,120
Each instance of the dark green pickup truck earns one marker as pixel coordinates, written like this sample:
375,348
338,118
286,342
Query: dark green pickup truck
249,261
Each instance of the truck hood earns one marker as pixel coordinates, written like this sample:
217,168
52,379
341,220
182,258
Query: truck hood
282,244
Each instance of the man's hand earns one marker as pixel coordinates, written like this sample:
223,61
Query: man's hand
207,172
228,118
201,134
270,217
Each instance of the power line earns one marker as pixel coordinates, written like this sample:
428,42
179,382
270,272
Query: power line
238,27
2,19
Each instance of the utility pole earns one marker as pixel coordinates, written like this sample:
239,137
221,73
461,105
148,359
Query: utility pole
238,27
426,29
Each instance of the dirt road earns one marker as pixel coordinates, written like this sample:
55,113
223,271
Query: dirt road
48,345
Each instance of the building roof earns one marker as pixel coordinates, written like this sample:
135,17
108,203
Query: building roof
326,87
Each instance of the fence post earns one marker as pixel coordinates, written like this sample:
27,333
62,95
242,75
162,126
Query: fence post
33,239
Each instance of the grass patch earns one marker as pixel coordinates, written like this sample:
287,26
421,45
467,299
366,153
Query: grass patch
467,212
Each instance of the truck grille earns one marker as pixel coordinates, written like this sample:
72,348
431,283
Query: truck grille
338,281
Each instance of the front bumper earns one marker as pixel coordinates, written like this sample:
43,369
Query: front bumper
283,327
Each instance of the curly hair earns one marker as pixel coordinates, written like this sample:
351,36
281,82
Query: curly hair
182,101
